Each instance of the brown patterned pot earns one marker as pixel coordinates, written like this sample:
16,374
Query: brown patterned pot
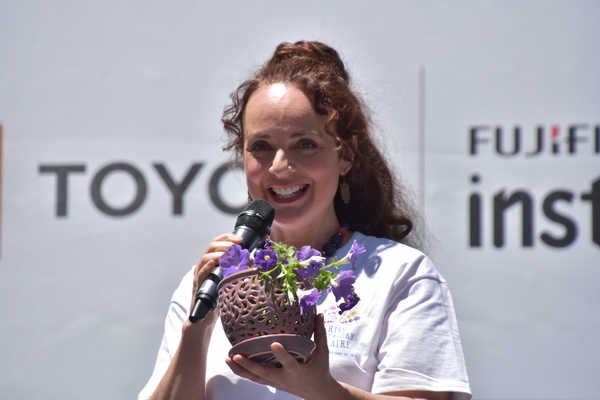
251,309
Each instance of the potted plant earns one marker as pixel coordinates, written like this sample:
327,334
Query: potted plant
271,295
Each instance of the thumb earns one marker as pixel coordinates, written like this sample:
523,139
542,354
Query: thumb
321,334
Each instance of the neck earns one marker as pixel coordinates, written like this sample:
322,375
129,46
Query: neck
315,237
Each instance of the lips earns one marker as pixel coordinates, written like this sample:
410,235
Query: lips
287,192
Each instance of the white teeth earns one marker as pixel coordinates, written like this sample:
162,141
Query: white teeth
288,191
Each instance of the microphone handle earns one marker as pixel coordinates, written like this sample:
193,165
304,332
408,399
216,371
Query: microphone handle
207,297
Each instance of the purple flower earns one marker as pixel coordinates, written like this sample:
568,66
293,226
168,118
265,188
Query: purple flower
311,270
342,285
352,255
350,302
317,261
308,298
268,243
355,250
236,259
311,260
265,260
307,252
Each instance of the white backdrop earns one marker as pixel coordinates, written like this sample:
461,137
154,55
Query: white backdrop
89,257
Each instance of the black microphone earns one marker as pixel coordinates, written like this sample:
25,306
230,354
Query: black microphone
253,225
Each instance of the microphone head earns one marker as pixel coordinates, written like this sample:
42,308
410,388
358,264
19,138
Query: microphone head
258,215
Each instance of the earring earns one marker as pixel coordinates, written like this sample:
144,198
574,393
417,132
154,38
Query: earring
344,190
250,199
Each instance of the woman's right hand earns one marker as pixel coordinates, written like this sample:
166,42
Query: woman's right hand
208,262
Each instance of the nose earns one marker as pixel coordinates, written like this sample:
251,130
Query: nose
281,164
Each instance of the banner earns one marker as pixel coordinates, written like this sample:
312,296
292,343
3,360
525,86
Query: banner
113,181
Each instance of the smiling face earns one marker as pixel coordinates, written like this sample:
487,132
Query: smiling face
291,161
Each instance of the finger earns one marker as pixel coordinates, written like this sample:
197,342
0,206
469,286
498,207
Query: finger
204,271
214,255
246,368
223,242
218,247
285,359
229,236
321,336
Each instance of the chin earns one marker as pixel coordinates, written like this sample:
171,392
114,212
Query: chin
288,219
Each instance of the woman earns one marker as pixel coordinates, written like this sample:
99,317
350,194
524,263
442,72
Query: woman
302,135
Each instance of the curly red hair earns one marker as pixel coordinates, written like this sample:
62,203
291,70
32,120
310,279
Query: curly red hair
378,206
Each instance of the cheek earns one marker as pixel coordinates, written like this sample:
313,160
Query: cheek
254,172
327,173
329,165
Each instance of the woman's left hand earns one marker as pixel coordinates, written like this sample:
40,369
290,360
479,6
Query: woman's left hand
310,380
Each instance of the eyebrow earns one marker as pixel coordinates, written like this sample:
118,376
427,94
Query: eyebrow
300,133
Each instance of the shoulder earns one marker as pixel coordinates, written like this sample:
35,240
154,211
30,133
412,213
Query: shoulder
392,259
377,245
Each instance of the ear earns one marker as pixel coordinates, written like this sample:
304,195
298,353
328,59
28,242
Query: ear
348,154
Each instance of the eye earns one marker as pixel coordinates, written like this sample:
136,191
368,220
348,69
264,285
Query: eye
307,144
259,146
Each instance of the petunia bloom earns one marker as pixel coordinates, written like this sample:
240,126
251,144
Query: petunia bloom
311,261
350,302
310,271
353,253
317,261
355,250
308,298
234,260
342,285
265,260
306,252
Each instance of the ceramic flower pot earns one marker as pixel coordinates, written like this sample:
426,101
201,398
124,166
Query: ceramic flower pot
255,314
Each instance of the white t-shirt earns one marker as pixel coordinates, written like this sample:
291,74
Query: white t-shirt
402,335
